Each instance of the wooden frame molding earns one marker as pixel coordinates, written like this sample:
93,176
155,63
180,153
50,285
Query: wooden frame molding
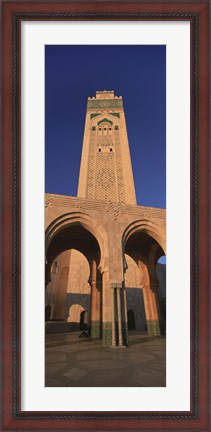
13,418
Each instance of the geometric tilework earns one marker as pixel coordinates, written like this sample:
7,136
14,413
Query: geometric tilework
108,103
154,328
105,179
107,333
95,329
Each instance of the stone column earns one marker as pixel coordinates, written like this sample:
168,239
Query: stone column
106,311
124,323
113,292
119,314
95,302
157,307
152,310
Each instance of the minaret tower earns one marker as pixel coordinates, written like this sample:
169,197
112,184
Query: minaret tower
106,170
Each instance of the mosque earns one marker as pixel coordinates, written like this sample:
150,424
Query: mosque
102,249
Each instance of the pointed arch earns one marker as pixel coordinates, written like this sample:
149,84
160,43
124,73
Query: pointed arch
87,222
147,227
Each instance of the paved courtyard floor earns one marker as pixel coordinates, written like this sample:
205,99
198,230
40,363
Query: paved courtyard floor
74,362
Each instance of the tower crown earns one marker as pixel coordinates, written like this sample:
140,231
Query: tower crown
104,99
105,94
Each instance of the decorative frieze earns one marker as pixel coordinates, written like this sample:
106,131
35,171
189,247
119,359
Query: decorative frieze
115,114
88,204
113,209
104,103
80,204
93,115
105,120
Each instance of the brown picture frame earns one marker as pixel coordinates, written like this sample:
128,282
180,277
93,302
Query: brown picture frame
12,417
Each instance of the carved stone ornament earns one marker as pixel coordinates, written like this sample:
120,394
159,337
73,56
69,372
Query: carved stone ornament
80,204
144,213
47,200
106,103
113,209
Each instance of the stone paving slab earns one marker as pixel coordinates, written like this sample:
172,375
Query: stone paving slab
89,364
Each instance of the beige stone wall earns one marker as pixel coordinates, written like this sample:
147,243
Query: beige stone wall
74,313
133,276
134,283
69,285
78,274
78,288
134,294
56,290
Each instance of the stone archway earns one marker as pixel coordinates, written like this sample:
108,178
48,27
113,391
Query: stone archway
145,242
81,232
147,227
89,224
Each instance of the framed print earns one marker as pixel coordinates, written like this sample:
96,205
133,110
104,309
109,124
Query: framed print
93,337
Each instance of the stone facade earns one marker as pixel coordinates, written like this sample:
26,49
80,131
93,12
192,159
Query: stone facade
101,248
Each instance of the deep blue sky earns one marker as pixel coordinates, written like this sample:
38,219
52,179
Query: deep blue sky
135,72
